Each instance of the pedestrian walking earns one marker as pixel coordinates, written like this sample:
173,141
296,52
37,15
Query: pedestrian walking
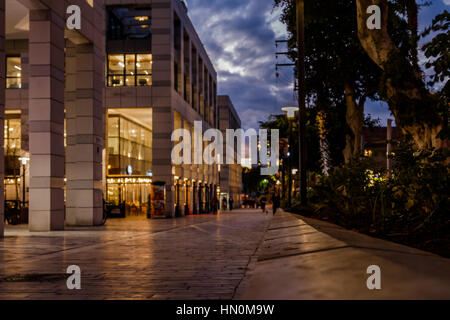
263,204
231,203
276,203
224,204
214,204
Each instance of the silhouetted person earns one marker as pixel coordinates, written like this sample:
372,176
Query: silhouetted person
214,205
224,203
276,203
263,204
231,204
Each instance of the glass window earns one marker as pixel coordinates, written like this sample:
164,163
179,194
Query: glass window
129,70
12,146
144,69
131,148
144,64
116,69
128,23
113,126
13,135
13,73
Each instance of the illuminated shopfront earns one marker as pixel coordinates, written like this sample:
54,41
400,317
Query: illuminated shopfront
134,193
129,168
13,153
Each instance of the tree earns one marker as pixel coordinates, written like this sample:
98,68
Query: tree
338,69
418,112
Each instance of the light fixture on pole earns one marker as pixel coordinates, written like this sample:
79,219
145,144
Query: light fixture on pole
290,113
24,161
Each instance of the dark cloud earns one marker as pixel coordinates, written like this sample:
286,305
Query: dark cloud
240,40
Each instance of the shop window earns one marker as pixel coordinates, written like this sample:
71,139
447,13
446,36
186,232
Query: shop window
129,70
12,145
129,145
13,73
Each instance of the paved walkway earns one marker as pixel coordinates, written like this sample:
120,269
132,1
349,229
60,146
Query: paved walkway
239,255
200,257
304,258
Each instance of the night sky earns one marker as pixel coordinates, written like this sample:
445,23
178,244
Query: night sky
240,35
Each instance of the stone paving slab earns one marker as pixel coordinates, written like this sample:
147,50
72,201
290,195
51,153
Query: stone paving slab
323,261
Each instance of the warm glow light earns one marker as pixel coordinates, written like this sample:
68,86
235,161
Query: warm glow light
24,160
141,18
290,110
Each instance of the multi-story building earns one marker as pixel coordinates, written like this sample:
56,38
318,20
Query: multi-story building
93,110
230,175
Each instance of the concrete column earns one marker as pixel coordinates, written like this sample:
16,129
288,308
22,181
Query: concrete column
46,104
2,114
162,111
85,138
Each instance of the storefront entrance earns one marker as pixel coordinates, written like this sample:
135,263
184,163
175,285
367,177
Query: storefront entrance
131,194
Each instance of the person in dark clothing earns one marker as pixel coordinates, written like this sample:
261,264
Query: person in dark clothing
276,203
214,205
263,204
231,204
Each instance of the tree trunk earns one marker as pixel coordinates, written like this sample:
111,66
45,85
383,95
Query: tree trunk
412,11
355,121
415,109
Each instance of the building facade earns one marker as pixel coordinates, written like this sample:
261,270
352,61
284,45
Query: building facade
230,175
89,113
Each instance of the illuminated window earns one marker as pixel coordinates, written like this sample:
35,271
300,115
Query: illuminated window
116,69
368,153
13,144
144,69
13,73
129,70
129,144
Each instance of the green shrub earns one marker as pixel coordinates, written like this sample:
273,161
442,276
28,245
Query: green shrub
412,204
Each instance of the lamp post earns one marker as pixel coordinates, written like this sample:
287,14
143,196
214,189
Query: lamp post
24,161
301,98
290,113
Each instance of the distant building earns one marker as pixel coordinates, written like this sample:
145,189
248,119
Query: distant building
230,175
375,144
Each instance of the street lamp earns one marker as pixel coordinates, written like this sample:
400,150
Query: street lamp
24,161
290,113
